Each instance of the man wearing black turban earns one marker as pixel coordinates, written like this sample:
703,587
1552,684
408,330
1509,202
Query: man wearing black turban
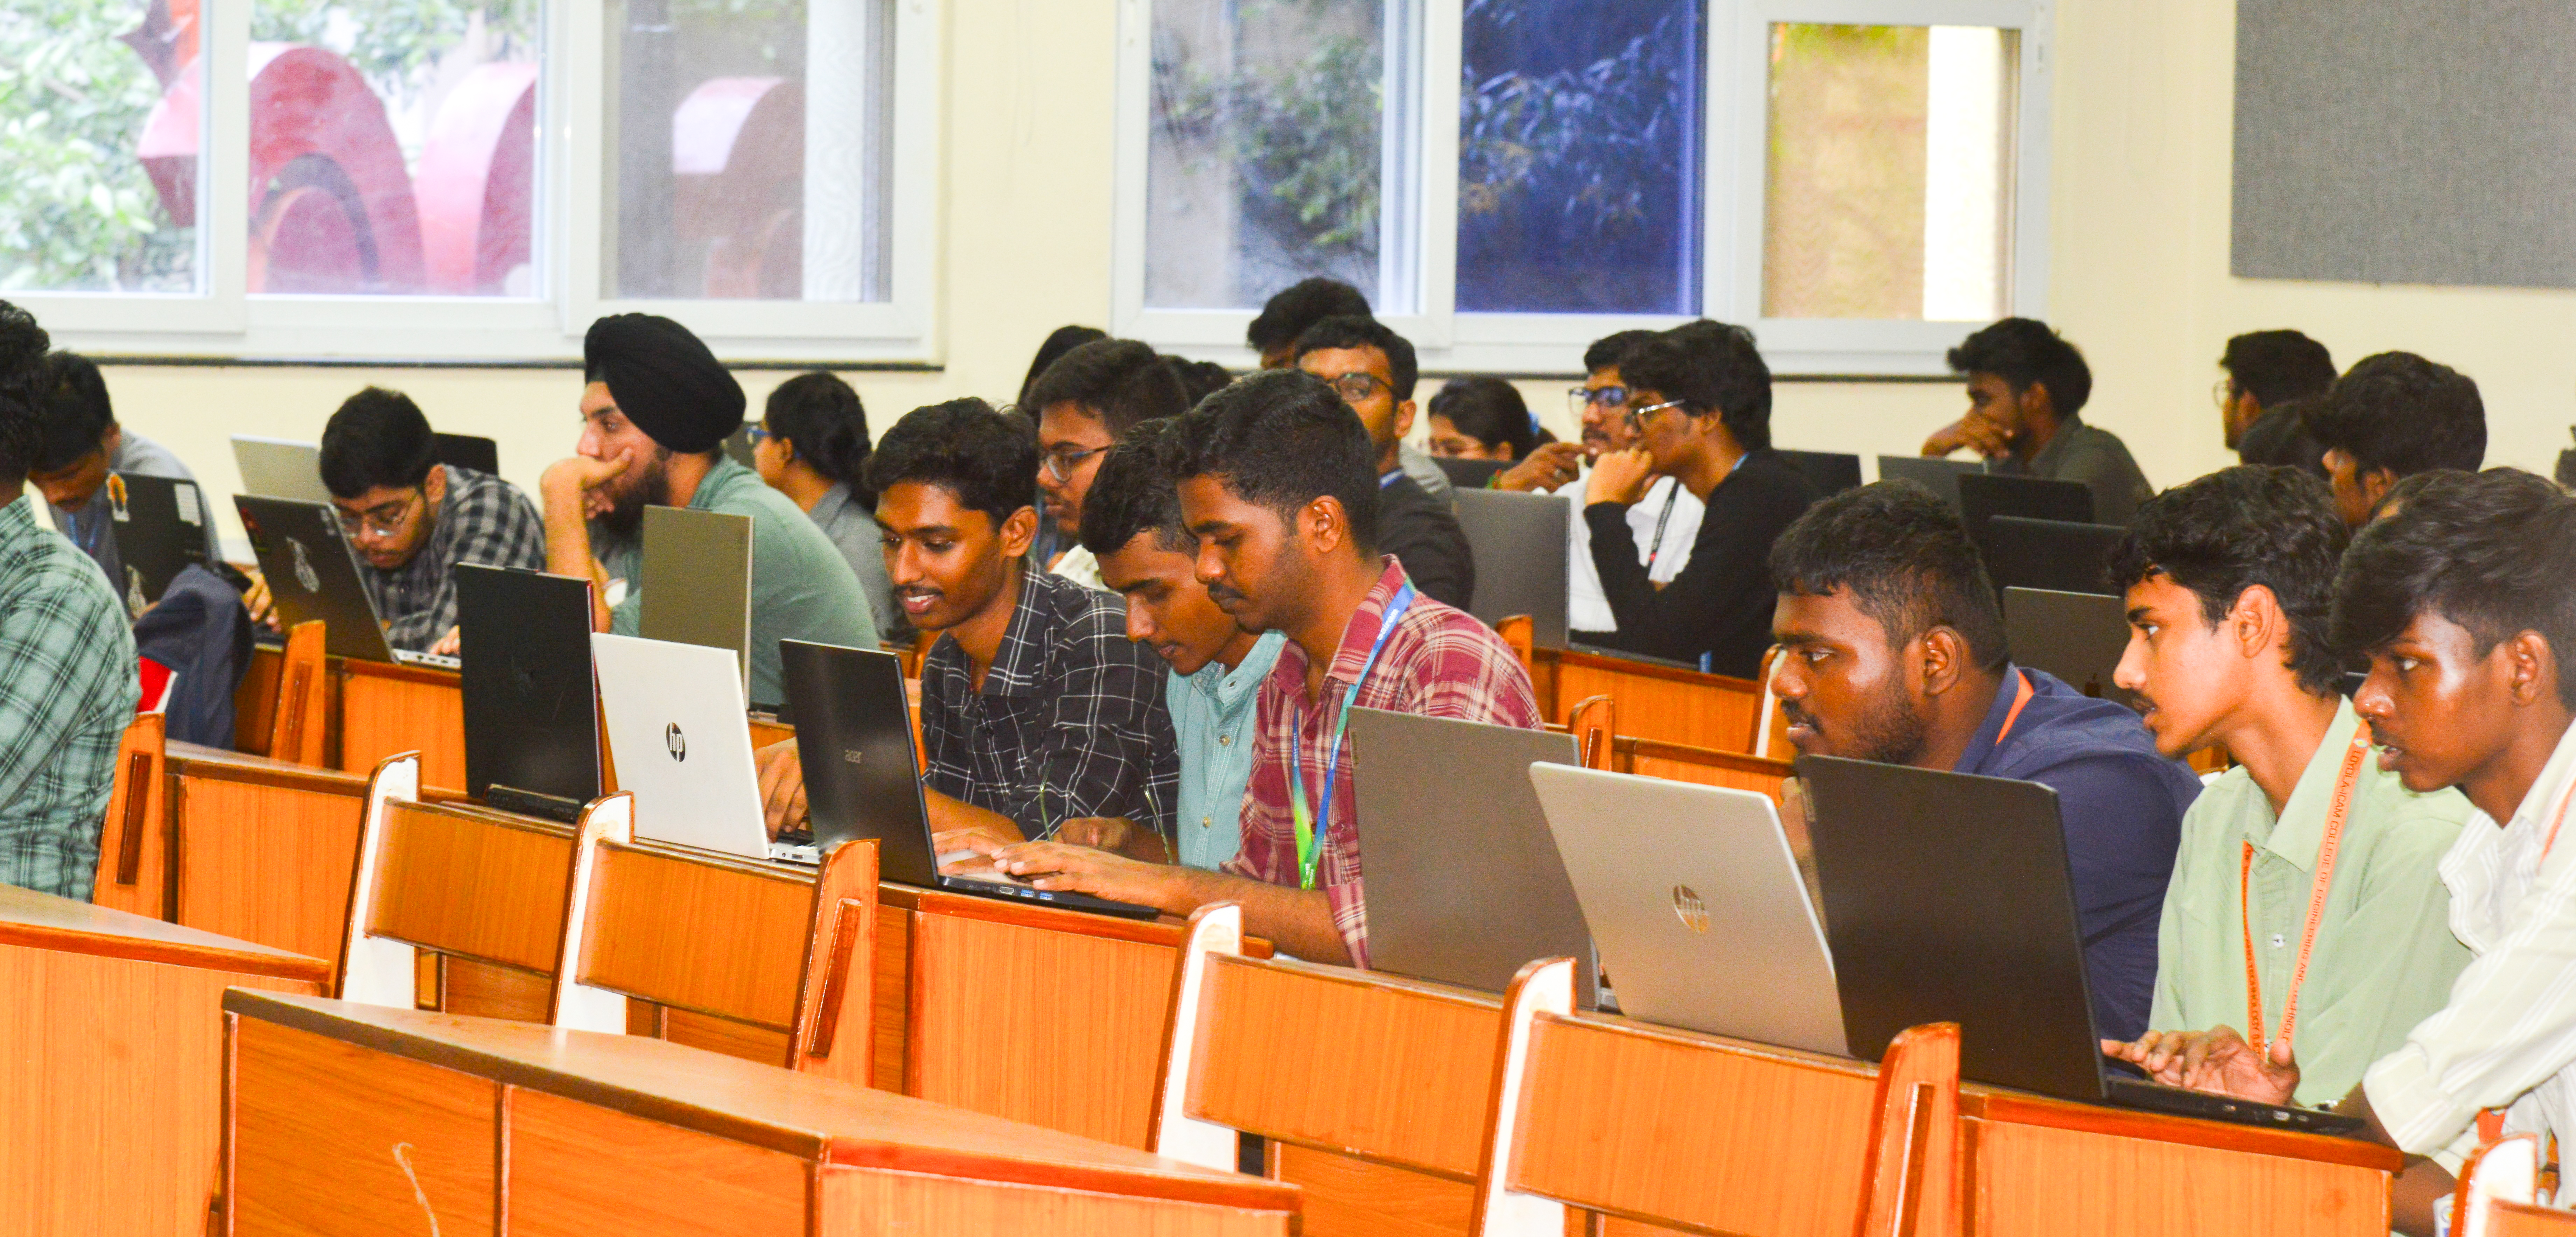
655,411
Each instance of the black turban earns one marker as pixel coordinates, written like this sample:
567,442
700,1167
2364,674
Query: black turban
664,380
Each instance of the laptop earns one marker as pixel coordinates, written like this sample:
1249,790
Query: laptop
1983,497
1518,542
2079,637
1696,902
159,524
1947,899
313,574
1831,472
466,451
2058,555
863,777
682,742
280,468
1937,475
531,715
1463,889
1467,474
697,581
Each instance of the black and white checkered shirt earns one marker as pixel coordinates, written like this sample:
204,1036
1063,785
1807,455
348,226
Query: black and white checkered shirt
485,520
1070,723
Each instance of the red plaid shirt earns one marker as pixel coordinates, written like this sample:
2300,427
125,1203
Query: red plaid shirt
1439,663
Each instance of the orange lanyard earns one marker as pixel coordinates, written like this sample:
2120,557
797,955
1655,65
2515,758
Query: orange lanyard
2021,696
2327,846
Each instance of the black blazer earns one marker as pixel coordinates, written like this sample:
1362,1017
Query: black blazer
1421,533
1720,605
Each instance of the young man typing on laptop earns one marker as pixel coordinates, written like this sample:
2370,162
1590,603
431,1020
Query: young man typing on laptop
2461,599
2305,899
1280,488
1896,654
412,519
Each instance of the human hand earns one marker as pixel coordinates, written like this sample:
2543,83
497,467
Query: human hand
579,479
448,644
1097,832
1975,432
262,606
782,788
2217,1060
1081,869
1620,477
1549,466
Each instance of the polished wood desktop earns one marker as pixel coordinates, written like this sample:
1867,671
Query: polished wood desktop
1594,724
111,1061
351,1118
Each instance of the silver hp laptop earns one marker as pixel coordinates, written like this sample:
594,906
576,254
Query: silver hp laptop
2079,637
313,574
1696,903
697,582
1937,475
681,738
280,468
1518,542
1464,883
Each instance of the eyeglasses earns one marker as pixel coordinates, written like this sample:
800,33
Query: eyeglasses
2224,393
1637,416
1060,463
381,520
1355,387
757,434
1581,398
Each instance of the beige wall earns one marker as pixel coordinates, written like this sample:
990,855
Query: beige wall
2137,268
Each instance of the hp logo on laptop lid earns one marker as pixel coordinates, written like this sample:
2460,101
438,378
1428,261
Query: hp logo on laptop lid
678,745
1688,907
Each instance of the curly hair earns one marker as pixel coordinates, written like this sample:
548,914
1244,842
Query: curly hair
25,382
988,459
1905,556
2240,527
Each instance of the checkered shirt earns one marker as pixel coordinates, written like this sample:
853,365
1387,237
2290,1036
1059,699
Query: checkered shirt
484,520
68,687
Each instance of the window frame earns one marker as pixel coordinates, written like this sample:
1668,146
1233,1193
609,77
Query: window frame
222,321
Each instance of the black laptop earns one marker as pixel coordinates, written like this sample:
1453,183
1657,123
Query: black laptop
1469,474
159,524
1947,899
2058,555
468,451
1937,475
862,778
1830,472
312,573
531,706
1983,496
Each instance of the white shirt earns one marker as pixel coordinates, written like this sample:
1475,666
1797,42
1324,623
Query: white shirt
1080,566
2508,1035
1587,608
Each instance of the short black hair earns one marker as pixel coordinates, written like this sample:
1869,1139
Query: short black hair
1198,379
1303,304
1137,490
77,412
2400,412
1117,381
1282,439
2023,351
1489,410
2239,527
1709,367
824,419
2490,551
1606,351
2277,366
24,379
1358,331
378,437
1905,556
1061,340
987,459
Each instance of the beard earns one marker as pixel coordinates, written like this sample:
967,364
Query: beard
1890,731
648,485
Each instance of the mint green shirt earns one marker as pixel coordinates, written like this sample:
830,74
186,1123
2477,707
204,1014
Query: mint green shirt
2384,956
1214,713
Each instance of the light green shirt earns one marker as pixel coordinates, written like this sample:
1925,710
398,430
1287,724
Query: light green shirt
2384,956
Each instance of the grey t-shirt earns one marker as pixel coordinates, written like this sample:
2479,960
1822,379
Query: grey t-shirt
2096,457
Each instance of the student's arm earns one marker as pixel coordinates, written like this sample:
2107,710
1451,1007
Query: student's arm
1297,921
564,494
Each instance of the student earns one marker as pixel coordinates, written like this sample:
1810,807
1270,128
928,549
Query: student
1481,419
655,410
1083,403
2389,417
2305,900
2460,599
1273,335
810,445
1373,369
1035,708
2025,388
2270,375
67,670
80,444
1280,489
412,519
1895,653
1132,522
1699,405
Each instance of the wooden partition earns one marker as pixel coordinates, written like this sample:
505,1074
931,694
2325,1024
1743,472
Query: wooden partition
387,709
261,849
1663,703
1675,762
255,699
2497,1192
134,869
300,730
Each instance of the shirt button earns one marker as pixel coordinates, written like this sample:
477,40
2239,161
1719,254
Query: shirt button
2277,942
1207,822
1225,740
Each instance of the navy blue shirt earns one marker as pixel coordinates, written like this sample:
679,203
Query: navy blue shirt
2121,805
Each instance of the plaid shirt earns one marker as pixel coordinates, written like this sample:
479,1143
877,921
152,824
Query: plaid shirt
1070,722
1439,663
483,520
67,689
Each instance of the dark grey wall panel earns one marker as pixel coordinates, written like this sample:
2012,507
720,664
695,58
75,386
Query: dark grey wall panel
2406,141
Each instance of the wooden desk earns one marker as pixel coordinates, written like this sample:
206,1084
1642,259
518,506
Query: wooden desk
1662,703
360,1119
386,709
111,1062
263,850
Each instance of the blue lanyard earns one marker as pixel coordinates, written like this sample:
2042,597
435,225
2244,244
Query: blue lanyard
1310,833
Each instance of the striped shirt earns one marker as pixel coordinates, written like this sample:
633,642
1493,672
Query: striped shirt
481,519
67,690
2508,1036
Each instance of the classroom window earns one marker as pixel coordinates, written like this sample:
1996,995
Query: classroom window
98,139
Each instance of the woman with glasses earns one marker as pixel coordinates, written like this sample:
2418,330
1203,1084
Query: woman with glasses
811,441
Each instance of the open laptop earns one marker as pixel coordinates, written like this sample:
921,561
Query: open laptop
2079,637
1937,475
697,581
2059,555
1518,541
1947,899
280,468
1830,471
159,524
1463,889
681,738
1985,496
1696,903
531,715
313,574
863,778
1468,474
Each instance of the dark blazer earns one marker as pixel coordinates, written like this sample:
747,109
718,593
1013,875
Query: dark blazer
1720,605
1421,533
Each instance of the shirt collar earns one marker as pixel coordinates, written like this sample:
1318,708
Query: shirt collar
2533,813
1229,687
828,507
1981,746
1360,635
719,481
2301,827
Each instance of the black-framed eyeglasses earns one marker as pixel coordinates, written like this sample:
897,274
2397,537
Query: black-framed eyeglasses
382,520
1357,386
1584,398
1060,463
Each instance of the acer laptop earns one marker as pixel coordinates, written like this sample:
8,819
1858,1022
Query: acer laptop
863,778
681,738
280,468
159,524
696,581
1697,905
313,574
1937,475
1518,543
2059,555
2079,637
1947,899
531,712
1463,889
